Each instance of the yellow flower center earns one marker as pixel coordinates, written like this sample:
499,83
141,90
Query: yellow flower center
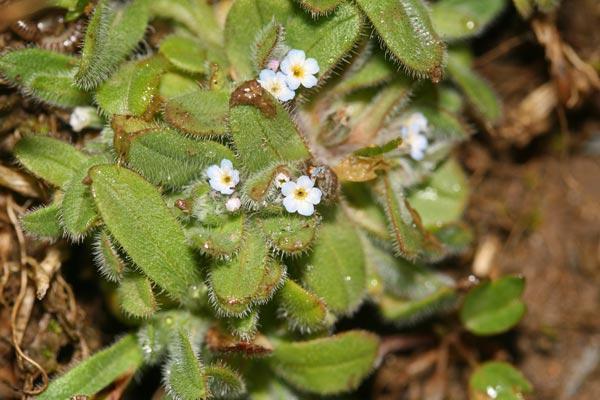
227,179
297,71
275,88
300,194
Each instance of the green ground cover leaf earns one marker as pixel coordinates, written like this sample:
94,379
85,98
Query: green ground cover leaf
459,19
111,35
93,374
51,159
136,296
300,308
407,31
328,365
43,222
138,218
335,269
498,380
131,89
494,307
199,112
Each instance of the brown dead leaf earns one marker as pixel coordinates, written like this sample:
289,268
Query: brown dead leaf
360,169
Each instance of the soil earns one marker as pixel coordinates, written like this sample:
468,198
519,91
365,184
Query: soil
535,209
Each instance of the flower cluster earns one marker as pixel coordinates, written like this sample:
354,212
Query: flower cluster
223,179
295,70
413,139
300,196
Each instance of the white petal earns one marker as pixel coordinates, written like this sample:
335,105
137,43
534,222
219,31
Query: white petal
235,176
219,186
266,75
288,188
416,154
305,208
418,120
293,82
296,56
309,81
280,78
311,66
286,66
226,164
286,94
290,204
305,182
420,141
314,196
214,172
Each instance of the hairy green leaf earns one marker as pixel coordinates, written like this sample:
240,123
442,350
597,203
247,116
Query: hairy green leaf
300,308
364,211
199,112
136,296
454,236
375,71
132,88
329,365
136,215
269,45
272,279
78,213
443,197
58,91
160,333
410,239
245,327
409,312
260,187
335,270
43,222
93,374
166,157
184,53
374,117
51,159
185,378
318,7
244,22
21,66
273,136
197,16
328,39
221,240
175,84
110,36
107,257
223,382
494,307
235,282
479,93
403,278
498,380
289,233
443,124
406,29
458,19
